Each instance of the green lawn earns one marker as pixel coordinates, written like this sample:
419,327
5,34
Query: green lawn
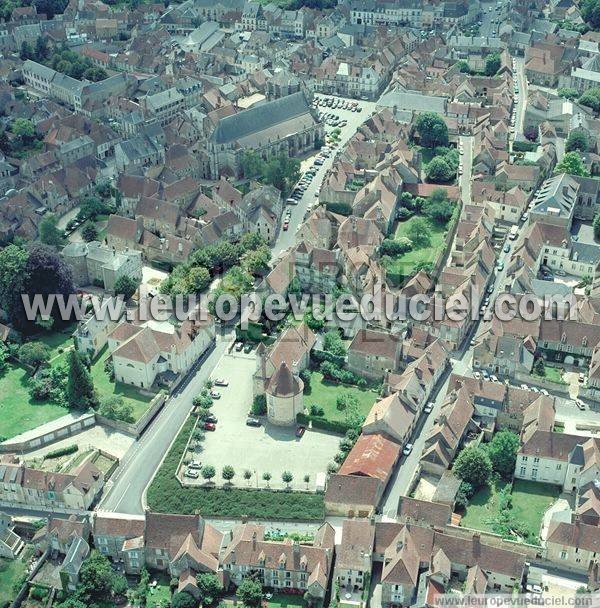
324,394
553,374
530,500
106,388
280,600
18,411
11,571
406,263
159,594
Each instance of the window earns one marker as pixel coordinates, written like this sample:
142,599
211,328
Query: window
563,555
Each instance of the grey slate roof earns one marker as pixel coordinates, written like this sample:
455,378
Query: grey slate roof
258,118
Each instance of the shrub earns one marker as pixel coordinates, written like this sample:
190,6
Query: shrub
69,449
259,405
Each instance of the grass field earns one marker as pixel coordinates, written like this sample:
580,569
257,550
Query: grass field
324,394
161,594
530,501
106,388
10,572
406,263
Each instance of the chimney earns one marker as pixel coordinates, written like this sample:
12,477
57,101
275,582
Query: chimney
476,545
254,540
296,548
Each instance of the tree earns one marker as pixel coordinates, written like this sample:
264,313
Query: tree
248,475
568,93
591,97
251,164
345,401
250,592
473,465
49,232
209,587
437,207
539,367
432,130
183,599
3,357
259,405
257,262
333,343
228,473
126,286
464,67
197,279
45,274
208,472
419,232
267,478
439,171
577,140
89,233
596,226
80,387
96,578
114,408
23,129
572,164
27,51
72,602
590,11
34,354
492,64
502,451
287,478
307,480
251,241
41,48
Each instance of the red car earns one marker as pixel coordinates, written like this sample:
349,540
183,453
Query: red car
210,426
285,225
300,431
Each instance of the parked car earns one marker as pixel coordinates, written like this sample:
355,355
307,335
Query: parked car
544,392
581,378
494,378
286,226
252,421
195,464
500,266
191,474
506,248
407,449
300,431
248,347
579,403
211,418
215,394
239,346
210,426
220,382
428,408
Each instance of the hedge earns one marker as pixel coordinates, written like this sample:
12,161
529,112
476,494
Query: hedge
167,495
524,146
332,426
69,449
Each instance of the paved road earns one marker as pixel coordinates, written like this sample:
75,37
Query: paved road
467,163
521,80
143,459
355,119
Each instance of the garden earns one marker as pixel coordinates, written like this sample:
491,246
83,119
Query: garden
489,498
420,235
19,410
528,500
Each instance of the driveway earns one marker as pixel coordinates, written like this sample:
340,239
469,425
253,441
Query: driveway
265,449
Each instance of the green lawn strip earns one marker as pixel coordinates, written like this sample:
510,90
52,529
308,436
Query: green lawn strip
166,495
553,374
106,388
11,572
530,500
156,596
325,393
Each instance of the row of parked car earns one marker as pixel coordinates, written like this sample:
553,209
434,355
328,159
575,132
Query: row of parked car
336,103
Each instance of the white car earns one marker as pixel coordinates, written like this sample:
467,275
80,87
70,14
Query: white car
407,449
428,408
220,382
476,375
494,378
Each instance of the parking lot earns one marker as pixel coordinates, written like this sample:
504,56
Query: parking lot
264,449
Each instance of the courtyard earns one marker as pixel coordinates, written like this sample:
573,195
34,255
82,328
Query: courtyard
265,449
